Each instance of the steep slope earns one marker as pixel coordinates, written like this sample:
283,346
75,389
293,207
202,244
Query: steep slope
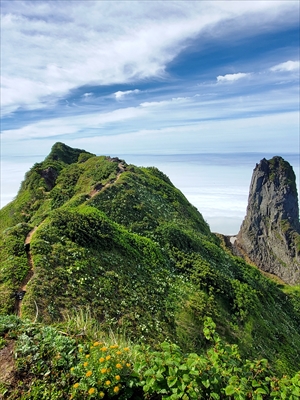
270,233
125,242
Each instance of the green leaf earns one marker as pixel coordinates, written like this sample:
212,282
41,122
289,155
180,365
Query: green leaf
206,383
229,390
261,391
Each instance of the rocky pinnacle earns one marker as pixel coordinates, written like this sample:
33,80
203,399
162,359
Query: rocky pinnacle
270,232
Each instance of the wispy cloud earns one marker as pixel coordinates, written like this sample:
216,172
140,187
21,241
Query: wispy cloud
103,43
232,77
120,94
287,66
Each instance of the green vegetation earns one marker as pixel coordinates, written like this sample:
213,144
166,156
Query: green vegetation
55,364
124,241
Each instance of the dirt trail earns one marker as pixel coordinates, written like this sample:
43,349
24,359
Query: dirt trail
98,188
30,234
22,288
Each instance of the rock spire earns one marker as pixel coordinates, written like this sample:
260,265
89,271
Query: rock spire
270,232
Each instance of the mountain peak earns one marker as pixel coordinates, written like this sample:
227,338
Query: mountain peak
64,153
270,231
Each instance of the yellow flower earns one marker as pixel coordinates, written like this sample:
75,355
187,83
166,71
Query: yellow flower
72,369
118,366
101,394
96,344
89,373
87,356
103,370
108,358
116,389
119,352
85,364
103,348
127,365
101,359
107,383
117,377
80,350
126,348
92,390
76,385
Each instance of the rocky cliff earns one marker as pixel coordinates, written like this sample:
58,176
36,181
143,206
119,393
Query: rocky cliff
269,234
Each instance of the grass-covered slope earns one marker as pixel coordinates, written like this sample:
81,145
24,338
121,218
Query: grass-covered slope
125,242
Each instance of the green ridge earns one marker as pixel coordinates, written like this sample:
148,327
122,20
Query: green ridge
125,242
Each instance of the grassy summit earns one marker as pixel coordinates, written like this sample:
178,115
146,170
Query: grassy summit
124,241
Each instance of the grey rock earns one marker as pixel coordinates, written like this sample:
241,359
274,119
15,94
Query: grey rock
270,232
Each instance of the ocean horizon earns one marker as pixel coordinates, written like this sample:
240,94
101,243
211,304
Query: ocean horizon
217,184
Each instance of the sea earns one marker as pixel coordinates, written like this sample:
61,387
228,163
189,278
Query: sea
217,184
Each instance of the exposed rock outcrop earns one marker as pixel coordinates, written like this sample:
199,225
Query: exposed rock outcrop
49,174
270,232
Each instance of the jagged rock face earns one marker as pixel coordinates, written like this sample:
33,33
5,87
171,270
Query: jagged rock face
50,175
269,234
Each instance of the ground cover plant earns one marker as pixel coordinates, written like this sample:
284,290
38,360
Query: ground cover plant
55,364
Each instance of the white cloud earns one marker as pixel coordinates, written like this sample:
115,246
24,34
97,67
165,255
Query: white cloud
232,77
87,95
119,95
163,103
48,51
287,66
71,125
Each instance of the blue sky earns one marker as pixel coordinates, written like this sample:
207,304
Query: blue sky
141,77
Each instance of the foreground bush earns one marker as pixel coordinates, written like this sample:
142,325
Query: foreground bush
51,365
141,372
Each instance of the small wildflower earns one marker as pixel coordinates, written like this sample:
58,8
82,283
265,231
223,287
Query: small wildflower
76,385
87,356
116,389
108,358
128,365
119,352
72,369
126,349
117,377
92,390
103,370
103,348
96,344
85,364
101,394
89,373
107,383
118,366
80,350
101,359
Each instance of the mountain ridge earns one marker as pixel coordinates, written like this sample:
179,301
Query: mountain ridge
124,240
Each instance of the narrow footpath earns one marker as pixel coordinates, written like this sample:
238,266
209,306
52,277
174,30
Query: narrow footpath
98,188
22,288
